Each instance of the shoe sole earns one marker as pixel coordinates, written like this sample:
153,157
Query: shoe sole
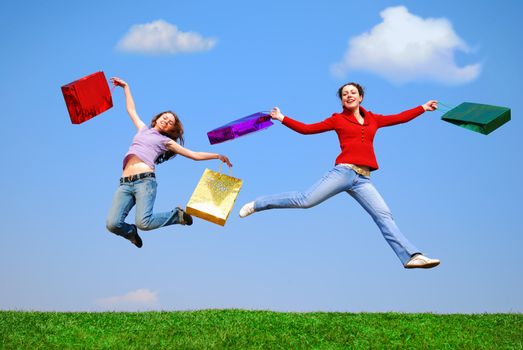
425,266
244,215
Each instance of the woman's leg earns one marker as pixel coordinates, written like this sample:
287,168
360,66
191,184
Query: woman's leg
370,199
145,193
332,183
123,201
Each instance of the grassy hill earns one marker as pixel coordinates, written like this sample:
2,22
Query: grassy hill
239,329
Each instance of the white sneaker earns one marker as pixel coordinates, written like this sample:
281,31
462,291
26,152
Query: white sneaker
419,261
247,209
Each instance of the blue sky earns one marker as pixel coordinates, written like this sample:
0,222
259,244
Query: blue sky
454,193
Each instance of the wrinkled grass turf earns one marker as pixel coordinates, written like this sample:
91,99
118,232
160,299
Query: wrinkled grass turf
238,329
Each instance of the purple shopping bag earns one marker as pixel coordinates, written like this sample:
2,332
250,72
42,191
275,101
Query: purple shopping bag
240,127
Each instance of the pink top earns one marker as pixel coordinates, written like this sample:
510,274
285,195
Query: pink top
147,145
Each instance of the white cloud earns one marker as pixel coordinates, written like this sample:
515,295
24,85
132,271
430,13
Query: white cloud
161,37
135,300
405,47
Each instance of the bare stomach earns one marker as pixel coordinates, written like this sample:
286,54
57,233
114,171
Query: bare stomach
364,167
135,166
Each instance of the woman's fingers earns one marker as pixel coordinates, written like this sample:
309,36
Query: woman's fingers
276,113
225,160
118,82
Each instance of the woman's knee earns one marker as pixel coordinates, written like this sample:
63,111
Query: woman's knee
144,224
308,200
383,215
307,205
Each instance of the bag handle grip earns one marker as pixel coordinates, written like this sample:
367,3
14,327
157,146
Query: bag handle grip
445,108
220,169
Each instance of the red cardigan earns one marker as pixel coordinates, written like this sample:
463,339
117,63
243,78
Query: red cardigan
356,140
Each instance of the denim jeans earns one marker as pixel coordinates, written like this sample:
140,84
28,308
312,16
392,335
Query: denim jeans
342,178
141,193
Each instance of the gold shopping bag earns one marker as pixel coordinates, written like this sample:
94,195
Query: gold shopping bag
214,197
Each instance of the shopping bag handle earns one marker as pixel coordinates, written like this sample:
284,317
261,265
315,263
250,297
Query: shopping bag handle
445,108
220,169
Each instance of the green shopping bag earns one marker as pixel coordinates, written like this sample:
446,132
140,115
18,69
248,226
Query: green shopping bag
477,117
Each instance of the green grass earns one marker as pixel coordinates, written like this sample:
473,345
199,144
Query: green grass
237,329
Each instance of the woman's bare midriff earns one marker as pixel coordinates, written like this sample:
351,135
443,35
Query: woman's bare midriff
364,167
135,166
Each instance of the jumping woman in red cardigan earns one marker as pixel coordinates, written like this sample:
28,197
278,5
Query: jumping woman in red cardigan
356,128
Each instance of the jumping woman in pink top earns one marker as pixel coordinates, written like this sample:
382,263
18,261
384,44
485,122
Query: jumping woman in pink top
356,128
151,145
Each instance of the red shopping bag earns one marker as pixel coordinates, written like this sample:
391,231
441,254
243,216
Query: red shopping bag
87,97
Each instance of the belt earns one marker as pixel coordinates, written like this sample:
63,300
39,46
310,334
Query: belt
136,177
357,169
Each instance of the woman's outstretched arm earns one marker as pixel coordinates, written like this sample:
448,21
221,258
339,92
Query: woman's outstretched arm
300,127
129,102
179,149
406,116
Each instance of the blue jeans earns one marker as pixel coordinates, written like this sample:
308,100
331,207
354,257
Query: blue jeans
342,178
141,193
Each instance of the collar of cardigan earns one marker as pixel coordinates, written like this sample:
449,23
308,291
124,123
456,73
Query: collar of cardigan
349,115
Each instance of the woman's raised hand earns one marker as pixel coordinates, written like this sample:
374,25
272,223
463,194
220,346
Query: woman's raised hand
225,160
276,114
431,105
118,82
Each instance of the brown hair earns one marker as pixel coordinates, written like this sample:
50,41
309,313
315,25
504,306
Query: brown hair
356,85
176,135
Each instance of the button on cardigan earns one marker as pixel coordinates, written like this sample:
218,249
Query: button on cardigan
356,140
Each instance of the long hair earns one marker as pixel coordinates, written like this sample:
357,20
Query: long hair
176,135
